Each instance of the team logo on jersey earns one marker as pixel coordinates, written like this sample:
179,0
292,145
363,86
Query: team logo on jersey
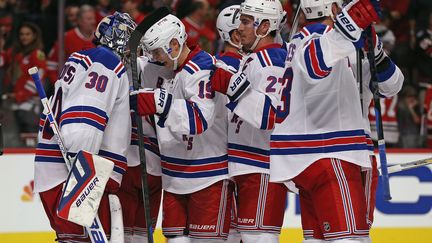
326,226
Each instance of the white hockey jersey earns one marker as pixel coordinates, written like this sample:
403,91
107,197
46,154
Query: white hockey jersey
152,75
193,138
253,117
91,106
325,119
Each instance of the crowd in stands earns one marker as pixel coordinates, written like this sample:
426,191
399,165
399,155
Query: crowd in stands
28,37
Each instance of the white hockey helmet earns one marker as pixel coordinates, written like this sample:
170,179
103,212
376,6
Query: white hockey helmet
262,10
227,21
314,9
162,32
114,31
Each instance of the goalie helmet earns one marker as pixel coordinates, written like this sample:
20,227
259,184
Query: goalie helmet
114,31
227,21
314,9
263,9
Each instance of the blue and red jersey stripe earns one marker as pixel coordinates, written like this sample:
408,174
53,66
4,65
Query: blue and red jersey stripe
197,122
195,168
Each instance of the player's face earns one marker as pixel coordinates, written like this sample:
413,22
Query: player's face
26,36
160,55
247,31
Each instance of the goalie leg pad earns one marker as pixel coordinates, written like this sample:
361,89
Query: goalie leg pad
84,188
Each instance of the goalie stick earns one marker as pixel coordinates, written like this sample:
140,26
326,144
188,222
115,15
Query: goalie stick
95,231
133,43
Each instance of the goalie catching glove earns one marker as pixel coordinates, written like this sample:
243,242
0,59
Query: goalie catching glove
151,101
227,80
355,17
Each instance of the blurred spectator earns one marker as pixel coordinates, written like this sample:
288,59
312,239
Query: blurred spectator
132,8
385,33
20,88
103,8
389,121
71,12
402,54
424,54
427,118
409,118
76,39
198,32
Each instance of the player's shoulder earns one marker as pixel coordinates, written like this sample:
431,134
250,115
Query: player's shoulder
311,30
201,60
272,55
230,58
102,55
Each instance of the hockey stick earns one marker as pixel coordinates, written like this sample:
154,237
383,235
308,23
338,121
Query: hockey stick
95,231
409,165
294,25
378,120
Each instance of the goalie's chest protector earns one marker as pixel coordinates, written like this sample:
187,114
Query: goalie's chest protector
325,117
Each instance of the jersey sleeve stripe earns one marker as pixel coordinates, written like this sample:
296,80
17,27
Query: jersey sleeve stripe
261,59
197,122
269,115
315,62
387,73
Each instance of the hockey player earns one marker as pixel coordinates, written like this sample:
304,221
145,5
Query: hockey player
321,144
254,92
152,75
91,102
191,131
227,23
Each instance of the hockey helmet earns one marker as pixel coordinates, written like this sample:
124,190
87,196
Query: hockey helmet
227,21
114,31
263,9
160,34
314,9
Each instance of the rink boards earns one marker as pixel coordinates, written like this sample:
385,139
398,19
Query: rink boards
407,218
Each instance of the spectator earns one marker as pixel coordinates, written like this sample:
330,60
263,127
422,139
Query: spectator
198,32
71,16
76,39
409,118
103,8
132,8
25,53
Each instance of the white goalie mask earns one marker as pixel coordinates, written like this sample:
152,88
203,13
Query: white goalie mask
160,34
261,10
227,21
314,9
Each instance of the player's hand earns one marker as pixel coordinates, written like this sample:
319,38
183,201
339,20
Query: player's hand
150,101
228,81
112,186
378,46
355,17
221,77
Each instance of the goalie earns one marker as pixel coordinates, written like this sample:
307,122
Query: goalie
90,103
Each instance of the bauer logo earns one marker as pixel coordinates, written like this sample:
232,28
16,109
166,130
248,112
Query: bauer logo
86,192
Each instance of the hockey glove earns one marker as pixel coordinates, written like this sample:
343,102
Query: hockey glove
148,102
225,80
378,49
355,17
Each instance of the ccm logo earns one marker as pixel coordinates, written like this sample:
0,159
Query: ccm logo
346,22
